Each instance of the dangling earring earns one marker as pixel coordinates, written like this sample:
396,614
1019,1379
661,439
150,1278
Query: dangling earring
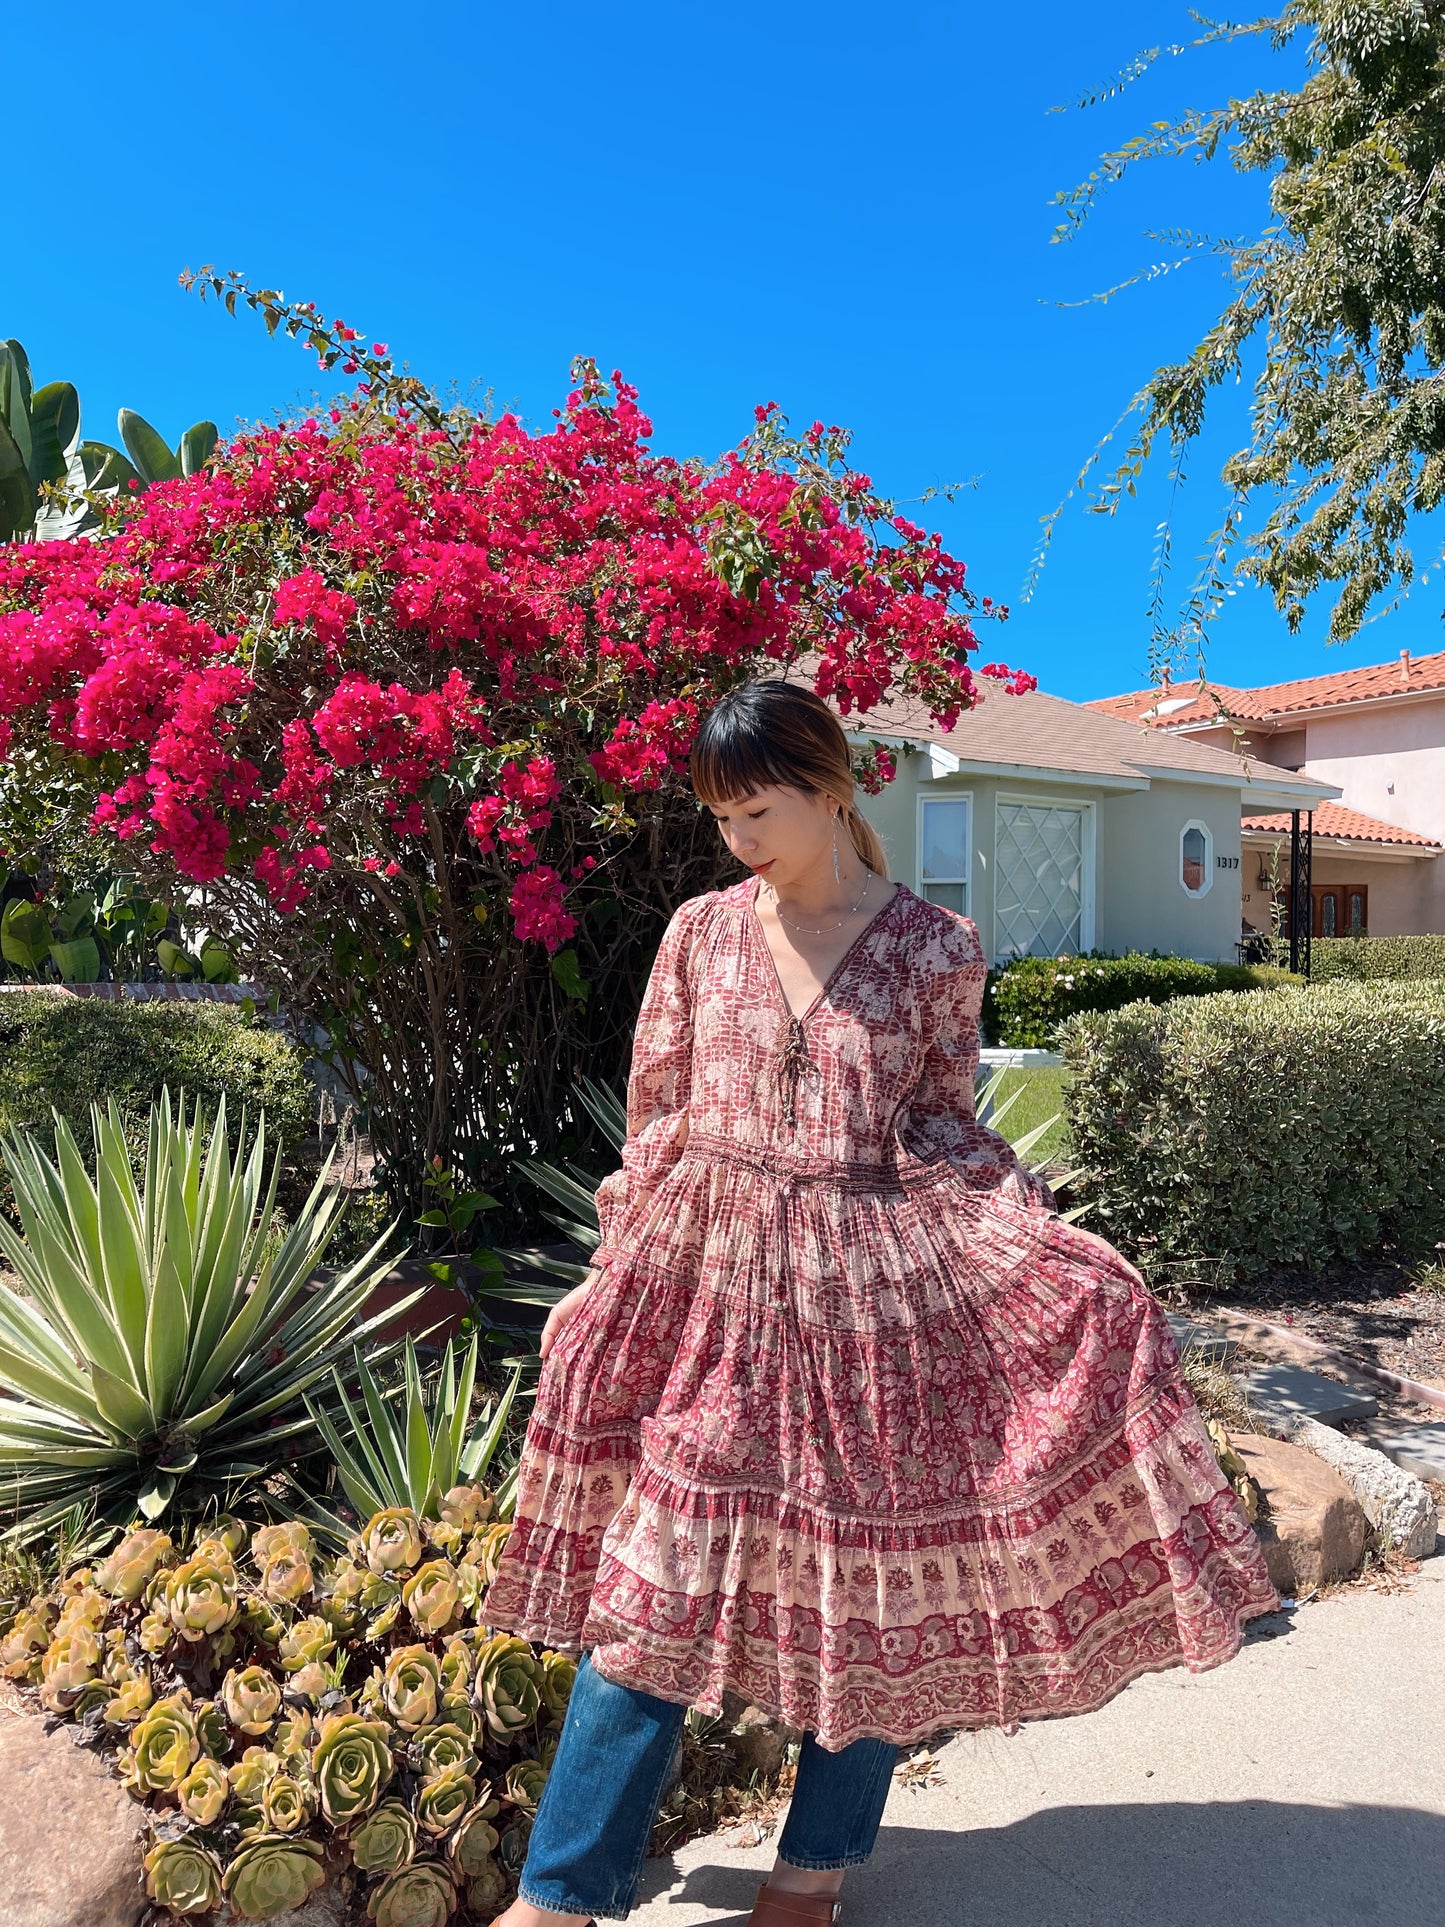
837,873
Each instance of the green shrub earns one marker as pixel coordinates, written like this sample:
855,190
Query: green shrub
1363,959
70,1052
1288,1129
1030,997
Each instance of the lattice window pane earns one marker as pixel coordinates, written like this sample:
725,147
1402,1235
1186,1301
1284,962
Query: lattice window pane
1039,888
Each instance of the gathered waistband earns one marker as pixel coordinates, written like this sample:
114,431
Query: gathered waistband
789,1167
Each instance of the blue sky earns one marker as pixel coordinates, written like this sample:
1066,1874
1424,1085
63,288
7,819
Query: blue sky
845,209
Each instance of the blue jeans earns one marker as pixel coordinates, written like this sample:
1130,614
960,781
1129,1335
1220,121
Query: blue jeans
615,1762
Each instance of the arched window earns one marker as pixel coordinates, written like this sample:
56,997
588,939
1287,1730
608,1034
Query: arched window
1196,858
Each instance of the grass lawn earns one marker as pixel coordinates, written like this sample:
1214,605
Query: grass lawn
1041,1096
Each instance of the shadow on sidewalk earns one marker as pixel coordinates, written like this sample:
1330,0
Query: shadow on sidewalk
1231,1864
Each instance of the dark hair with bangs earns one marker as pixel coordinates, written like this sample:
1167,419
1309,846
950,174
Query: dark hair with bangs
772,732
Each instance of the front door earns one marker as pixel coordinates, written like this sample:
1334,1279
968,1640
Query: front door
1341,909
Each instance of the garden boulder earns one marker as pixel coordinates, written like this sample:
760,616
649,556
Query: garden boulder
70,1855
1313,1528
1399,1506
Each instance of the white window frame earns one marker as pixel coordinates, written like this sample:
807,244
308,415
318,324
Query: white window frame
919,880
1087,891
1197,823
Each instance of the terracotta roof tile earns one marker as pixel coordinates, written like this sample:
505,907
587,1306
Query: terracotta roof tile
1182,704
1331,819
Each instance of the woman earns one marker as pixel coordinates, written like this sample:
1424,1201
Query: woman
845,1419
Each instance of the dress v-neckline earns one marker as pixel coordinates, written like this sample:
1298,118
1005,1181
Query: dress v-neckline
800,1017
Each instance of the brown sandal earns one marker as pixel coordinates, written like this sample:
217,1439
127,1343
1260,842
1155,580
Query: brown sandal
774,1908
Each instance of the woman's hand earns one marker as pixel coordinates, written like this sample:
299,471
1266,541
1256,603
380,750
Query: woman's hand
566,1309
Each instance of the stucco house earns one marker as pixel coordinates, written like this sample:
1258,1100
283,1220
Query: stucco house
1377,736
1057,828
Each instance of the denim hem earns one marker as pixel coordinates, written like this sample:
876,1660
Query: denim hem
827,1866
550,1907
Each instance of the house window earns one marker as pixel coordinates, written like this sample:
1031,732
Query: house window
944,843
1042,889
1196,858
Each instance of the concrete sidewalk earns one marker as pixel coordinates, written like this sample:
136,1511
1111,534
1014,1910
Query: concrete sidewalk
1302,1785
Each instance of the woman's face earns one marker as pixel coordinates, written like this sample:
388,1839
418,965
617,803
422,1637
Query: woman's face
780,833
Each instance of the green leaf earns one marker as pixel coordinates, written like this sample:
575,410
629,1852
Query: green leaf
174,961
15,396
153,460
77,961
25,936
156,1494
568,972
17,496
196,446
105,470
54,432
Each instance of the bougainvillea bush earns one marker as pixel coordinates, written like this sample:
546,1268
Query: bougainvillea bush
406,692
288,1719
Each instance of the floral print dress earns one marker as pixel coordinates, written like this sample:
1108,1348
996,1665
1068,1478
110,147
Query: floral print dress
852,1423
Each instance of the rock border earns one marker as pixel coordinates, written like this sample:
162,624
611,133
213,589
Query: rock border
1400,1507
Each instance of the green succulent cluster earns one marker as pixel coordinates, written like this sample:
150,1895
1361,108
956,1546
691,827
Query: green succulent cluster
287,1717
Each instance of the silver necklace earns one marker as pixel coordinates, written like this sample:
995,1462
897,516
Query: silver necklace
808,929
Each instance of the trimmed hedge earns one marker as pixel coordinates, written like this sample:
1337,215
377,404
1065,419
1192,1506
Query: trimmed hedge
1365,959
67,1051
1030,997
1279,1131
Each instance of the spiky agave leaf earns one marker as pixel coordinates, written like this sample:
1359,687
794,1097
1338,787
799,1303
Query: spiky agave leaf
163,1336
410,1459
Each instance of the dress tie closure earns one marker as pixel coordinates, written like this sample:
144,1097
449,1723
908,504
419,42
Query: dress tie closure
793,1064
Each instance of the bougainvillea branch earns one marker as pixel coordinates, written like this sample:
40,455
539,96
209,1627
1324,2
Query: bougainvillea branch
408,693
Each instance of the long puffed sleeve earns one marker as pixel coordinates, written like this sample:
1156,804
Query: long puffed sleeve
658,1081
940,1118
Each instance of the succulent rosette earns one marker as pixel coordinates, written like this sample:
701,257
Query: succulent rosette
342,1604
385,1840
71,1661
155,1633
421,1895
272,1873
559,1675
297,1734
292,1535
487,1889
351,1766
183,1876
130,1699
164,1746
475,1840
204,1792
391,1542
23,1647
287,1803
310,1639
505,1686
486,1548
432,1597
456,1666
133,1564
251,1699
524,1783
462,1511
200,1597
211,1729
83,1611
411,1687
442,1800
439,1748
249,1774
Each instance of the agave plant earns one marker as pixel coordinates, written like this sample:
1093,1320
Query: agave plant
168,1333
575,1189
40,445
411,1459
